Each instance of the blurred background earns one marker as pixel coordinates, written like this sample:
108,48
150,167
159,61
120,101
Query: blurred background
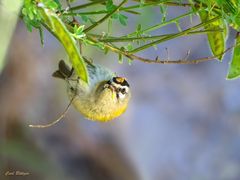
183,121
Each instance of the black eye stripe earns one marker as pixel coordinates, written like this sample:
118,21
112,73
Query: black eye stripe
123,83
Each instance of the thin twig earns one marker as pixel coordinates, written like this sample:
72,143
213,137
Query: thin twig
57,120
175,35
96,12
194,61
187,55
143,5
157,26
82,6
105,17
144,38
69,6
156,60
178,4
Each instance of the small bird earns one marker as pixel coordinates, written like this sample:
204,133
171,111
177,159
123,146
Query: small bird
104,98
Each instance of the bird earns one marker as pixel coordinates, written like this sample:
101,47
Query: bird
105,97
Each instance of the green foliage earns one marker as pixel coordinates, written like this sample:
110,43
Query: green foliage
234,69
228,9
230,13
216,40
78,32
117,16
60,31
31,17
215,16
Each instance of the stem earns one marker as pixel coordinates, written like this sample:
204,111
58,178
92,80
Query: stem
105,17
161,24
55,121
86,5
156,61
178,4
142,5
95,12
116,39
175,35
126,9
84,13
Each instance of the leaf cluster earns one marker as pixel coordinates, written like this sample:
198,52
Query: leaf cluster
215,18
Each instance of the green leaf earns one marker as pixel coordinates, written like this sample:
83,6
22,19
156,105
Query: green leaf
130,61
59,4
31,17
65,37
106,50
24,11
110,6
123,19
109,26
50,4
120,58
78,31
129,47
139,28
163,11
115,16
84,18
41,35
234,69
216,40
27,23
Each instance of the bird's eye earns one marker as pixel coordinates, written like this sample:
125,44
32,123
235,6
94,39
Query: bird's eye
123,90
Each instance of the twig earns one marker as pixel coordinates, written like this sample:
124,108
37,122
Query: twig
187,55
157,26
175,35
194,61
167,51
105,17
69,6
127,39
82,6
178,4
57,120
156,60
96,12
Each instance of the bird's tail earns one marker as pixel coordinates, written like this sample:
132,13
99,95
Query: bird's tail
63,71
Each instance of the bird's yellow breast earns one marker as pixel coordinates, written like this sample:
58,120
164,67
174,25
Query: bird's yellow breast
105,108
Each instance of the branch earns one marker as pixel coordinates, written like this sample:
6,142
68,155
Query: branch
55,121
95,12
180,61
105,17
144,38
82,6
174,36
156,60
174,20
